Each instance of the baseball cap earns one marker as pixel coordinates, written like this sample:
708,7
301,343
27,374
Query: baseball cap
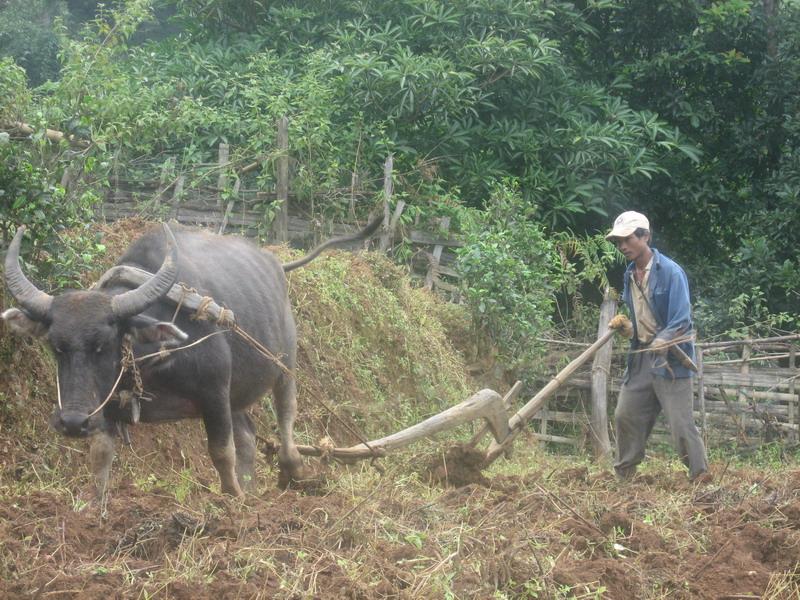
627,223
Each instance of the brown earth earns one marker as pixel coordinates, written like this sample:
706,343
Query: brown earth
428,524
535,527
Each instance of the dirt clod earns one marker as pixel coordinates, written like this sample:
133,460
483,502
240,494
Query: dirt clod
460,465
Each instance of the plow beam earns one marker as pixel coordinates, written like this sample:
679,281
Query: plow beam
486,404
534,405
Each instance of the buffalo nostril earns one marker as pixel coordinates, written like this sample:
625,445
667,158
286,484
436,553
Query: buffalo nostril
75,424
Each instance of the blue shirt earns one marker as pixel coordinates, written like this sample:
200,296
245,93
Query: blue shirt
669,297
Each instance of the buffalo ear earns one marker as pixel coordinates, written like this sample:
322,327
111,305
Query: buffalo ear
22,324
146,330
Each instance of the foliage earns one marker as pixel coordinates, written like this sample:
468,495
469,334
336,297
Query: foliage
14,94
510,272
591,258
725,73
360,80
29,197
591,107
28,34
475,91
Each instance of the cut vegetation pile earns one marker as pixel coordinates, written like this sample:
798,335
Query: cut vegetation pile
375,350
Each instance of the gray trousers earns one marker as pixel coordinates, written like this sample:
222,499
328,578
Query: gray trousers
641,398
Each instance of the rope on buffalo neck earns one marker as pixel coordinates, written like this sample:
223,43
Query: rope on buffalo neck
263,350
164,352
227,320
127,356
129,363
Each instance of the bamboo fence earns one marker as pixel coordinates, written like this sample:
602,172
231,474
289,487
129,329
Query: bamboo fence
745,390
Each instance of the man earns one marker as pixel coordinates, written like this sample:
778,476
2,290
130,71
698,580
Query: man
656,293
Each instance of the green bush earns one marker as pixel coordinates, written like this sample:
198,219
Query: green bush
511,270
29,34
28,197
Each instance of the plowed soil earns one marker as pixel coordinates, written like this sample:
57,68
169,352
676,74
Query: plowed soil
549,529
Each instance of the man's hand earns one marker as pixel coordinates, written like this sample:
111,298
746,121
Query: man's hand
623,325
659,346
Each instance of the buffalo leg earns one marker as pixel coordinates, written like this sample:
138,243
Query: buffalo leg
291,465
101,455
221,448
244,438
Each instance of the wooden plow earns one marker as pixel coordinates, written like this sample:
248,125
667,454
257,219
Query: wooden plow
485,404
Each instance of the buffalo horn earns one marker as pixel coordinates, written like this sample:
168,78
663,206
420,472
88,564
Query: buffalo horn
33,300
135,301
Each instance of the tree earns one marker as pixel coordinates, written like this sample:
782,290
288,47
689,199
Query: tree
726,74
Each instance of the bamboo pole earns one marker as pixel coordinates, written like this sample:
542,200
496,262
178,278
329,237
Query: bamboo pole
750,341
51,134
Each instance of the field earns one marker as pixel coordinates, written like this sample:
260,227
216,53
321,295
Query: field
418,524
538,526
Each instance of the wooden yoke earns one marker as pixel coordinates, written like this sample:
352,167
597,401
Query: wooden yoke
178,294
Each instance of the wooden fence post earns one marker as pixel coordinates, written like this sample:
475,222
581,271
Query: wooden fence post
229,208
177,194
388,189
115,174
222,180
398,211
741,396
792,403
601,367
433,269
701,394
545,415
280,226
165,180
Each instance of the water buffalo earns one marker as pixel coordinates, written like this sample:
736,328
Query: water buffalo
216,380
